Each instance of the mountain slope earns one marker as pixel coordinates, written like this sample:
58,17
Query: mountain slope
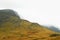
20,29
54,29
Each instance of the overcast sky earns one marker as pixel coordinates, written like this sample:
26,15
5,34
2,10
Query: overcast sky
44,12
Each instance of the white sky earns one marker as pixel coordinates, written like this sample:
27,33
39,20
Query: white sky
44,12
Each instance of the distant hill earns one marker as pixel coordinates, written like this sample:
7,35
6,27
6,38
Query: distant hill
53,28
15,28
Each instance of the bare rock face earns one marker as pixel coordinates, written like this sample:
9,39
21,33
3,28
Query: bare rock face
8,15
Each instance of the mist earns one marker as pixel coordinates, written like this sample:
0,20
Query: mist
44,12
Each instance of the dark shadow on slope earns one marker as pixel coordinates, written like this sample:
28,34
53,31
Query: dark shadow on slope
7,15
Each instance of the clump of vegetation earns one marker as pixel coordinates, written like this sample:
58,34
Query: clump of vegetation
54,35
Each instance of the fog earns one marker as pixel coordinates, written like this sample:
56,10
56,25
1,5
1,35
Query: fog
44,12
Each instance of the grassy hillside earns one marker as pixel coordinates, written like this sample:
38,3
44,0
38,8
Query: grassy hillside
20,29
26,31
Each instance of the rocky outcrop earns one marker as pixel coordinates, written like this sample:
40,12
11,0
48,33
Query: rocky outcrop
8,15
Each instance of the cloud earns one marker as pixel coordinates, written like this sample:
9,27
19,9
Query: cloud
11,4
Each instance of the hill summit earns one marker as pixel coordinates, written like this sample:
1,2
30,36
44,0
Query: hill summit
12,27
8,15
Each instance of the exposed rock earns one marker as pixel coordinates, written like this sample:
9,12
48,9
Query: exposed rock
8,15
